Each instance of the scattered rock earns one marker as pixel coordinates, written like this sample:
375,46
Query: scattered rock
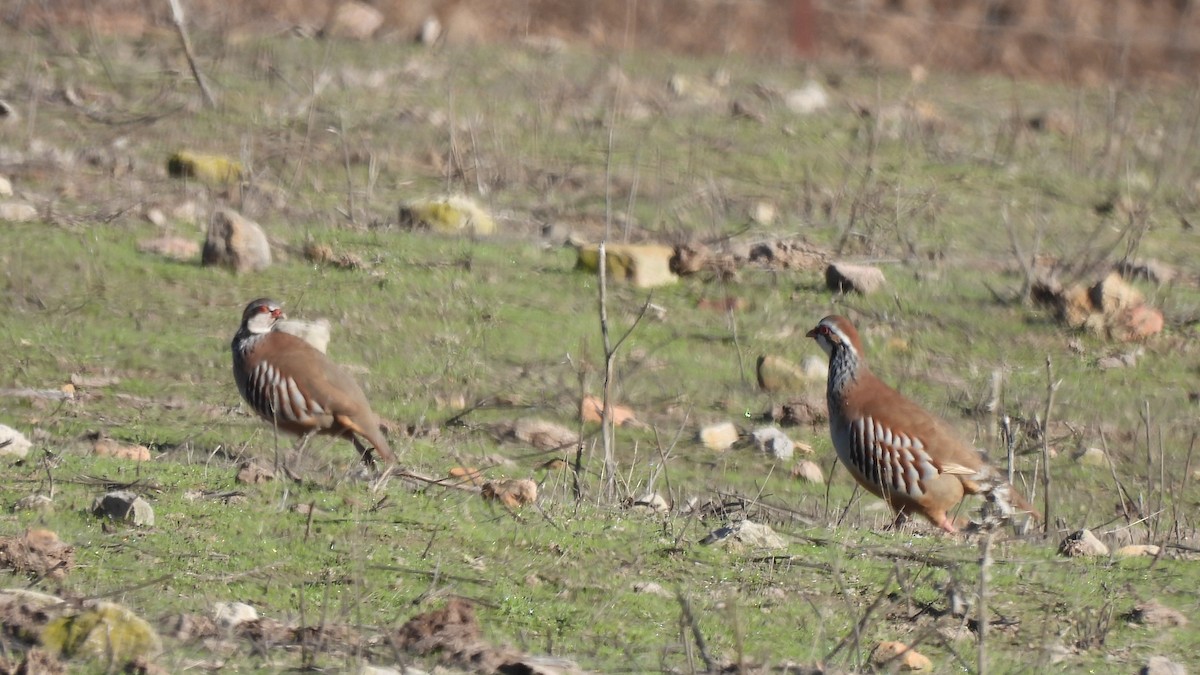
107,447
544,435
779,375
1136,324
694,90
1125,360
808,471
1154,271
156,217
891,654
808,99
1161,665
6,189
1093,457
725,305
315,333
253,473
188,627
746,534
513,493
1137,550
1110,307
323,254
807,411
652,501
849,278
13,443
175,248
124,505
35,660
1082,543
188,212
466,475
1054,120
104,631
38,553
652,588
720,436
690,258
25,613
34,503
453,633
236,242
643,265
774,442
1154,614
592,407
795,255
455,214
353,21
229,615
1113,294
764,213
210,169
17,212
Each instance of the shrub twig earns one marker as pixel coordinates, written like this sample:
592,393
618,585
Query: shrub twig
1051,390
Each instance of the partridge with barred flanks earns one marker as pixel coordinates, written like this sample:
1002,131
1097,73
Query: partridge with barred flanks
894,447
297,388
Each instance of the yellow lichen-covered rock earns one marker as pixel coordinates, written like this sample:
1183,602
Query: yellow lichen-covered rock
211,169
448,215
103,630
643,265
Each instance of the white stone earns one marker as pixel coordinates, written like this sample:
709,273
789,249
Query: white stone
746,533
13,443
228,615
17,212
5,187
808,99
774,442
719,436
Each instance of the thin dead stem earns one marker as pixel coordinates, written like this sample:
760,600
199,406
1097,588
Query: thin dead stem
1051,390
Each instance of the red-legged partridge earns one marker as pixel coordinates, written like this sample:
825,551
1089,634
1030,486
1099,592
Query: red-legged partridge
298,389
894,447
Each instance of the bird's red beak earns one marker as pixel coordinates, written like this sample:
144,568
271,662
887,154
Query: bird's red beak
812,334
277,313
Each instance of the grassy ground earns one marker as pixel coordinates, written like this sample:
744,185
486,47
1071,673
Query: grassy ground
566,139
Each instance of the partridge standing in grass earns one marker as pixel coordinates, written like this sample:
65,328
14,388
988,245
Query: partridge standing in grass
895,448
298,389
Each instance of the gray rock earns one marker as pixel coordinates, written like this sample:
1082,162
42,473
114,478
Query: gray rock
1161,665
228,615
34,503
17,212
774,442
745,533
124,505
848,278
13,443
1082,543
808,99
236,242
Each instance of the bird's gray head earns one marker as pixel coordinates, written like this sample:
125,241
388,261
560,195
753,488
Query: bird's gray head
260,316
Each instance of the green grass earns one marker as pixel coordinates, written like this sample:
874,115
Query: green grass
431,318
